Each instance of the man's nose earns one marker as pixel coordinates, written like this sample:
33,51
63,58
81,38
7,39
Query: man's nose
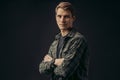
62,19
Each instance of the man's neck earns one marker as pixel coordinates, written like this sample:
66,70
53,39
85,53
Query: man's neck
64,32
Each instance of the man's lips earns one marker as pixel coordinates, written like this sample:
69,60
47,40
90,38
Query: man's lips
62,24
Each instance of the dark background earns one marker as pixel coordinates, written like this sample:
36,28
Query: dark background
28,27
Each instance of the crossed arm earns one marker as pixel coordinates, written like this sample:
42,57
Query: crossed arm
57,62
64,66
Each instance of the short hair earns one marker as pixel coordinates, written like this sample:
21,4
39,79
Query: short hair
66,6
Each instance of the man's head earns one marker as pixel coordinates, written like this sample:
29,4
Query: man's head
64,15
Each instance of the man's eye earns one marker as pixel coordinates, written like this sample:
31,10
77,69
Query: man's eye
59,16
67,16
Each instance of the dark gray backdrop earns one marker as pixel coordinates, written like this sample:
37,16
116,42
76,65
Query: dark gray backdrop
28,27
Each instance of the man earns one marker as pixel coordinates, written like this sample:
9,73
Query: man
67,58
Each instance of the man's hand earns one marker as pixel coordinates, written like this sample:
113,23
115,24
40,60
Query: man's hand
58,62
47,58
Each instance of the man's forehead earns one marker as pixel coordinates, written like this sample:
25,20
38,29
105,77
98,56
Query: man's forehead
63,11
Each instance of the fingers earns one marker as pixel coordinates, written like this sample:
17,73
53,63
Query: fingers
47,58
58,62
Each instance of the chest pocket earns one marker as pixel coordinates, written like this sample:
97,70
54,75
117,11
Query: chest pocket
67,47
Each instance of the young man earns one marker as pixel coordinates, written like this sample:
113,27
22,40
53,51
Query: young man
67,58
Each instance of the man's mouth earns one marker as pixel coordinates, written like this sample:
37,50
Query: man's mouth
62,24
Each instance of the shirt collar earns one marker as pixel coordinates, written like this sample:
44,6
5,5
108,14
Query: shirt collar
70,34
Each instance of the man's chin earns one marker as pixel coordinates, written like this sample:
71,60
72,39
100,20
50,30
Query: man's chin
62,28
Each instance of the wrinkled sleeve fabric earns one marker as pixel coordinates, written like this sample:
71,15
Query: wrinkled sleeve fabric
47,67
72,58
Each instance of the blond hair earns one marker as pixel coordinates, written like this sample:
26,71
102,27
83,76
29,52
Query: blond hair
66,6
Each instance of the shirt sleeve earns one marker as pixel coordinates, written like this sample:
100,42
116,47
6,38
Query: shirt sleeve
47,67
71,59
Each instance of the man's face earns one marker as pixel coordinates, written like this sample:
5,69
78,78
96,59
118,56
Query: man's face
64,19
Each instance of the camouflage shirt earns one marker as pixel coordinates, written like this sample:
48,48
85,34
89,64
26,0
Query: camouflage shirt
75,54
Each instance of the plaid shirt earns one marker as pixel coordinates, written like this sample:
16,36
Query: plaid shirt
75,54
